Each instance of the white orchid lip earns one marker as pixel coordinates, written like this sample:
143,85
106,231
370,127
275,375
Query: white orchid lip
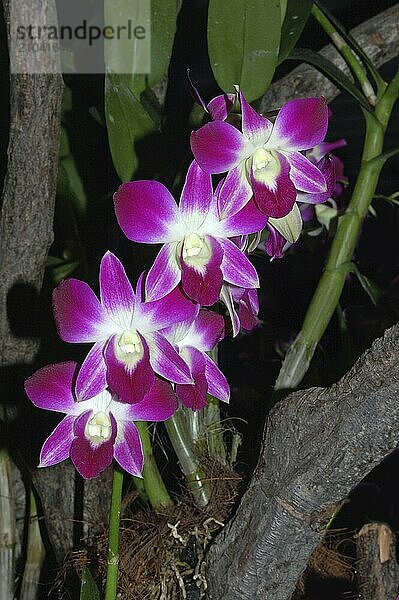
129,347
99,428
192,245
196,252
265,166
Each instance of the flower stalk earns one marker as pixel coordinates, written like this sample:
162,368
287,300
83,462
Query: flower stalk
332,281
111,585
189,463
154,486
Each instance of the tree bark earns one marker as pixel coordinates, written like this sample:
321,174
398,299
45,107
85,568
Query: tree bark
378,36
377,569
318,444
27,203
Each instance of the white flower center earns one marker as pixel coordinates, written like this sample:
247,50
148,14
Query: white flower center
196,251
265,166
129,347
99,428
192,245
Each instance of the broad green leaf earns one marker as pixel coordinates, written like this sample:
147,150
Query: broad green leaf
163,29
296,16
127,123
332,72
88,589
144,64
283,10
64,270
243,42
371,288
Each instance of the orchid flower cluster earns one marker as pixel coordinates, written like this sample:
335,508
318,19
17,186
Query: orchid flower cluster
151,345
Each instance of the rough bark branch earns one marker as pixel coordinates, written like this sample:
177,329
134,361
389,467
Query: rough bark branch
377,569
27,203
378,36
318,444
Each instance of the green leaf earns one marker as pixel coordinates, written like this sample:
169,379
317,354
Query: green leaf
127,123
88,589
296,16
243,42
332,72
69,184
371,288
163,29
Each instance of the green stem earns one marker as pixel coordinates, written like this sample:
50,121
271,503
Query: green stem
154,486
332,281
183,446
111,585
346,52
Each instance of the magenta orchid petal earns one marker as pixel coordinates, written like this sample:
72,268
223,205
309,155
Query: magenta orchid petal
129,372
57,446
51,387
194,90
146,212
89,458
248,220
235,192
205,332
196,196
217,382
165,273
153,316
128,450
201,274
255,127
319,151
248,310
221,106
116,292
236,267
194,396
327,167
91,379
165,361
157,405
218,147
275,198
304,174
301,124
275,243
78,314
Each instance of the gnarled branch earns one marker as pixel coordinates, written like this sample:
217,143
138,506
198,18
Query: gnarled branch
318,444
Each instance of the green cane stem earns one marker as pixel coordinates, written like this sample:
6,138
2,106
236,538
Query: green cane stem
154,487
111,585
183,446
332,281
347,53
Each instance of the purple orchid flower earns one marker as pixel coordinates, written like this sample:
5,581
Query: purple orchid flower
197,250
247,301
286,231
193,340
97,426
266,159
128,346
